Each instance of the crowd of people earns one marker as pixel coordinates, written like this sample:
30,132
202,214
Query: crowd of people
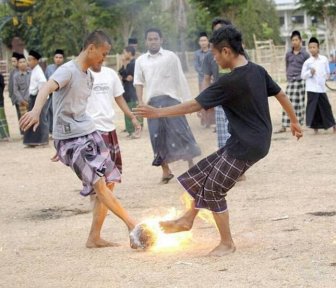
74,102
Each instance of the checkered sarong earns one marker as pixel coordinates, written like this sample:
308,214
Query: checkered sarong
89,158
4,133
296,91
222,128
111,142
210,179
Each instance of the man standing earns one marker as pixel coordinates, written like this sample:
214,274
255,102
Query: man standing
12,74
211,74
295,84
58,61
161,72
4,132
39,137
21,86
199,55
127,75
207,116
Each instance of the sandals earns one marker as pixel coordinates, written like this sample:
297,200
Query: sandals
165,180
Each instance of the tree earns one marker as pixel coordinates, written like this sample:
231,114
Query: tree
258,18
250,16
325,10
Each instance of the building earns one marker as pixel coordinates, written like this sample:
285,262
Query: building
292,18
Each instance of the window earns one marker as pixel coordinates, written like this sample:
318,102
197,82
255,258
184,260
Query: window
298,19
282,20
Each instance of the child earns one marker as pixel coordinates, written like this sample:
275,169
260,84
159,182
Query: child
77,142
243,94
316,71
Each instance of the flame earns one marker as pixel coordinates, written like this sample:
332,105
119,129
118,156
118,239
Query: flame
203,214
174,241
164,241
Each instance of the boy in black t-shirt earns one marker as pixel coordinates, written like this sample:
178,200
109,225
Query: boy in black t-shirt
243,94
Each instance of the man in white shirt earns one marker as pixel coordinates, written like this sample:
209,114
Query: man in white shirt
316,71
160,71
37,79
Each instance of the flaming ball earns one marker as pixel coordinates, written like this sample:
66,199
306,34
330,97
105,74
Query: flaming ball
142,236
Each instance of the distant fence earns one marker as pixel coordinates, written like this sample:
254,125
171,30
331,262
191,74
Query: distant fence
272,60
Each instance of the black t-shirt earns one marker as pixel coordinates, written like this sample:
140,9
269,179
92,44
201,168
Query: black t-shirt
130,93
243,94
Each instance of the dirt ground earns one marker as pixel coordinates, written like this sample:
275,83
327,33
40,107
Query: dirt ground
282,218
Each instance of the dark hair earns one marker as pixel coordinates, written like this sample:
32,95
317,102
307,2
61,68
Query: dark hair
221,21
202,34
97,38
296,34
157,30
314,40
130,49
228,36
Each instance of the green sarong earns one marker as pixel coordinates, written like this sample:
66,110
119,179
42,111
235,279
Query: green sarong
4,132
128,122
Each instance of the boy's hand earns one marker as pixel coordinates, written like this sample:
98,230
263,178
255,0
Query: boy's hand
146,111
296,130
137,127
28,120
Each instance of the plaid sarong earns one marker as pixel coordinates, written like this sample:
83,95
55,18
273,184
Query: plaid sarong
296,91
211,178
111,142
89,158
4,133
222,128
171,137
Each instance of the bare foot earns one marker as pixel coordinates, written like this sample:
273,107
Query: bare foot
100,243
223,250
174,226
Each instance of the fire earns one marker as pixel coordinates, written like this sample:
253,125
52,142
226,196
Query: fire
167,242
203,214
175,241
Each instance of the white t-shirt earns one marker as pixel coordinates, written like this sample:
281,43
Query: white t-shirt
316,83
37,79
162,74
106,86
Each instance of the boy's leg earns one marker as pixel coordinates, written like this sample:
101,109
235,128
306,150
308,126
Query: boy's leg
107,198
99,213
226,245
166,173
183,223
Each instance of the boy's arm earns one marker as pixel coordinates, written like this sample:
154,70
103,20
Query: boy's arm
124,107
176,110
139,93
287,106
32,117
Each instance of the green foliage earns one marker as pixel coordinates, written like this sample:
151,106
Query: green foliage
320,8
259,18
64,24
251,17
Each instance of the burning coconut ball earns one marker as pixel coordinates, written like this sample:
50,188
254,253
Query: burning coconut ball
142,236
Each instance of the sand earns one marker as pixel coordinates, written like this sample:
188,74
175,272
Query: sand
283,218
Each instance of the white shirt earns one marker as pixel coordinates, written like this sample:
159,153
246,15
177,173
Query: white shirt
161,74
106,86
37,79
316,82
